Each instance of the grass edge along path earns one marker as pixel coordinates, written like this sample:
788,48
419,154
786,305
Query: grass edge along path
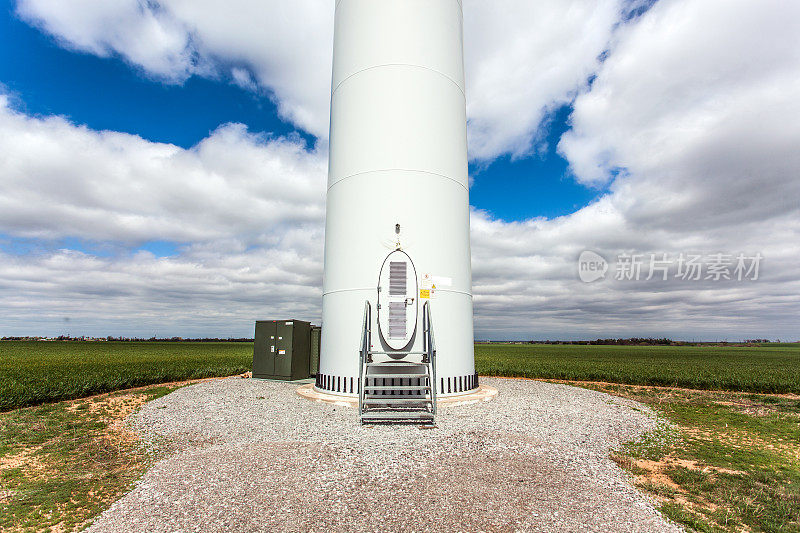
719,461
64,463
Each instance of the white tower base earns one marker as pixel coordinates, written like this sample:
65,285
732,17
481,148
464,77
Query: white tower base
397,230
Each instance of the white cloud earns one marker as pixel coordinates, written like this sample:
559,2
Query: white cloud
522,58
144,35
526,283
691,120
694,100
248,209
66,180
694,104
199,293
286,45
244,79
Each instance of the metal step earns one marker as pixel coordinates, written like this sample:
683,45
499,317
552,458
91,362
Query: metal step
397,353
395,416
388,411
394,413
422,422
383,400
396,363
397,387
398,376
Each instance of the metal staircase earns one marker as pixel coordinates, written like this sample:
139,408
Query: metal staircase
397,387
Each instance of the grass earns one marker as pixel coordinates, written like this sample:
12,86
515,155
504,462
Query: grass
763,369
725,462
62,464
35,372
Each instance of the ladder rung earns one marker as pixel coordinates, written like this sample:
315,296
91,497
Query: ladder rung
398,413
397,353
392,400
398,402
376,412
397,363
397,376
372,400
395,417
396,387
387,398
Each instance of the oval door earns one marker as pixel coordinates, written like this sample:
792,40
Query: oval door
397,300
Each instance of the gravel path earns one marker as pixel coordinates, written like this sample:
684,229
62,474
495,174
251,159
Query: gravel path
254,456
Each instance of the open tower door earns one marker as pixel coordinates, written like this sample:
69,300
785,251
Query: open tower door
397,301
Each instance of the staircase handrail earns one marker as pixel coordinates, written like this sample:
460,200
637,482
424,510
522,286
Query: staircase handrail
429,347
366,342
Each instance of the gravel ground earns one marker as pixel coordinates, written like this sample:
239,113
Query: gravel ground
254,456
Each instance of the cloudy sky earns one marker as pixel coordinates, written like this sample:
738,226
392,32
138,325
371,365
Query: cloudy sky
163,166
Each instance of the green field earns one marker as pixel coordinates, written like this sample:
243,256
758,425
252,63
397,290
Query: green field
731,458
765,369
34,372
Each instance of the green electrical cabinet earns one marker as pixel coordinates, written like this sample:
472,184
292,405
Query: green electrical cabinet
282,349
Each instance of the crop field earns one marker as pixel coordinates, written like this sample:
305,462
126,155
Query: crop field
766,369
34,372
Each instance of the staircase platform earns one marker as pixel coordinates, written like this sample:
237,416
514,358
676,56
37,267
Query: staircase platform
483,393
397,416
397,391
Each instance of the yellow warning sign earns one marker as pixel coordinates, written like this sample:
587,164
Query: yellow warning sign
424,293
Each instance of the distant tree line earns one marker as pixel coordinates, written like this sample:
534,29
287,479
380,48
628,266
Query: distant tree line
636,341
177,339
633,341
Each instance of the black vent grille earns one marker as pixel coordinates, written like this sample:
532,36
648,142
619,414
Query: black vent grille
397,320
397,278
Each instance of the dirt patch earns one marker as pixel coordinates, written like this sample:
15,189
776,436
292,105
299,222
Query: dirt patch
658,467
82,444
24,459
788,396
653,477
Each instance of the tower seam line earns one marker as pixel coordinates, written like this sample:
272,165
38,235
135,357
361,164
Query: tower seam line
442,74
397,170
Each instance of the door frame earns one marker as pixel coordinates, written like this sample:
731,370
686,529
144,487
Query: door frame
413,294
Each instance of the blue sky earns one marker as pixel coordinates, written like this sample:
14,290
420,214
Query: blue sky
539,185
132,203
107,94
